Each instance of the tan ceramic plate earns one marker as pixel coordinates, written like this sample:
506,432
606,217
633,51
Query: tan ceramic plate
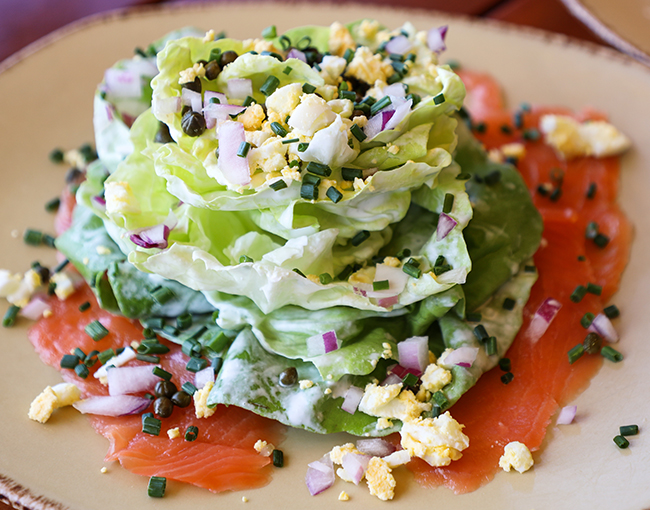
46,101
625,24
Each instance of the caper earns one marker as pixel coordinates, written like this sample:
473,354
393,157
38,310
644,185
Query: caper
592,343
288,377
165,389
73,175
203,62
227,57
193,85
193,123
312,55
181,399
212,70
163,407
358,113
163,136
186,108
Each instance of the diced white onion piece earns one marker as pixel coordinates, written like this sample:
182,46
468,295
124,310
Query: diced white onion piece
400,111
355,466
320,475
567,414
295,53
604,327
193,99
239,88
436,39
399,45
396,89
209,94
375,447
125,380
542,319
352,399
125,356
34,309
462,357
166,105
391,379
141,66
118,405
215,112
203,377
396,278
414,353
122,83
445,225
234,168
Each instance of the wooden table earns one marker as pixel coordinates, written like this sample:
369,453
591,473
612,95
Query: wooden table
23,22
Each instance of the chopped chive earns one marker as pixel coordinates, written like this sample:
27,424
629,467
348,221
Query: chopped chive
91,359
277,128
84,306
298,272
474,317
448,203
10,316
248,101
69,361
190,347
162,373
394,78
440,261
438,270
519,120
463,176
216,364
409,380
184,321
162,295
531,134
244,147
480,127
189,388
555,194
508,304
629,430
191,433
575,353
435,411
439,99
412,271
492,178
611,354
278,185
79,353
319,169
348,55
592,230
151,425
507,378
592,288
505,364
621,442
245,258
413,262
592,343
147,358
591,190
348,94
578,293
601,240
481,333
53,205
278,455
104,356
441,399
611,312
505,129
581,258
33,237
215,316
403,253
358,133
269,32
317,67
170,330
350,174
587,319
196,364
369,100
381,285
308,88
334,195
309,191
56,156
157,486
48,240
96,330
82,371
218,342
325,278
380,105
415,98
359,237
311,179
303,146
290,140
345,274
491,346
269,86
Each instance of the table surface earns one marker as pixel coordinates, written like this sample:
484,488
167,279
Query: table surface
22,23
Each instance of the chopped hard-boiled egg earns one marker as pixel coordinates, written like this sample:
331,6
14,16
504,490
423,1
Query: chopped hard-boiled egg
340,39
437,441
435,378
368,66
51,398
201,408
380,479
516,456
312,114
285,99
391,402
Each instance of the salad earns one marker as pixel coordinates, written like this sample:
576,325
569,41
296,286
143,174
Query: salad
311,219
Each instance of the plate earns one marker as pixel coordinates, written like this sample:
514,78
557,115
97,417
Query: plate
625,24
46,100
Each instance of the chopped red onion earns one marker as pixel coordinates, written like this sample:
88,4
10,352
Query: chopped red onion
295,53
203,377
604,327
402,109
567,414
99,201
323,343
391,379
215,112
166,105
374,126
401,371
209,94
235,169
414,353
388,302
462,357
126,380
320,475
386,115
34,309
355,466
542,319
436,39
193,99
445,225
239,88
151,237
125,356
118,405
122,83
352,399
399,45
375,447
396,89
